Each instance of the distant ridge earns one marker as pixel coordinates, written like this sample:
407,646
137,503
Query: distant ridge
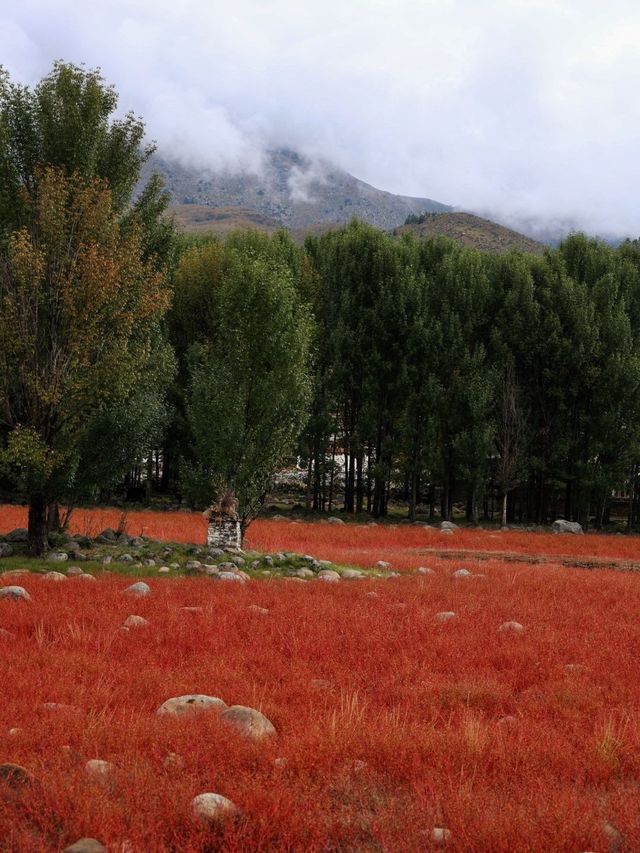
475,232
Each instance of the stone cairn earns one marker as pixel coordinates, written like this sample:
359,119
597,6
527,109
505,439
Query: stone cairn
224,526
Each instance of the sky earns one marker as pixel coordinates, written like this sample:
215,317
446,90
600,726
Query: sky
524,109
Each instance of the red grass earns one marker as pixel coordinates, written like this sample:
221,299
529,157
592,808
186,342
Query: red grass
402,545
418,701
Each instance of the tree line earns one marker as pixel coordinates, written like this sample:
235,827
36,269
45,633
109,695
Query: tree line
437,373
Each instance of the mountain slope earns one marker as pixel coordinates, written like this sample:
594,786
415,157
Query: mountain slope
293,191
473,231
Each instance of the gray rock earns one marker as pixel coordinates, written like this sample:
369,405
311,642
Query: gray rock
6,549
54,576
109,534
97,768
462,573
562,526
511,628
328,576
164,570
445,616
86,845
106,560
352,574
448,525
260,611
125,558
138,589
230,576
74,570
191,703
17,593
213,808
192,565
248,722
423,570
20,534
215,552
85,576
302,573
333,519
149,562
382,564
136,622
57,557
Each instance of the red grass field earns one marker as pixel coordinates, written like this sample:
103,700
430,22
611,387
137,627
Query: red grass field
406,730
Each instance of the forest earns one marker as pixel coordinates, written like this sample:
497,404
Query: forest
137,360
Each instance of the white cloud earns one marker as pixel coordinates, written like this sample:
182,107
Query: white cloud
527,108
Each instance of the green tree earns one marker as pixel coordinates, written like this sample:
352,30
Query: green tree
250,384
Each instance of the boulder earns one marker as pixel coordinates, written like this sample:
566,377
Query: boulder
511,628
17,593
6,549
462,573
191,703
562,526
351,574
138,590
445,616
328,576
58,557
85,576
54,576
74,570
135,622
86,845
333,519
382,564
423,570
213,808
248,722
97,768
229,576
448,525
109,534
15,776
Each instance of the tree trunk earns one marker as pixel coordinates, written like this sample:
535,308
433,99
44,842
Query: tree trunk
37,538
504,509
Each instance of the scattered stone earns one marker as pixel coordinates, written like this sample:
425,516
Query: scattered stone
423,570
328,576
192,565
230,576
351,574
19,535
15,573
149,562
191,703
511,628
106,561
193,610
448,525
260,611
445,616
6,549
85,576
125,558
440,835
74,570
86,845
173,762
54,576
139,589
98,768
109,534
462,573
446,532
58,557
14,732
562,526
333,519
372,594
213,808
280,763
135,622
382,564
303,573
17,593
164,570
248,722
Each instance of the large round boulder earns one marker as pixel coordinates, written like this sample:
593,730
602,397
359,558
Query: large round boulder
248,722
213,808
